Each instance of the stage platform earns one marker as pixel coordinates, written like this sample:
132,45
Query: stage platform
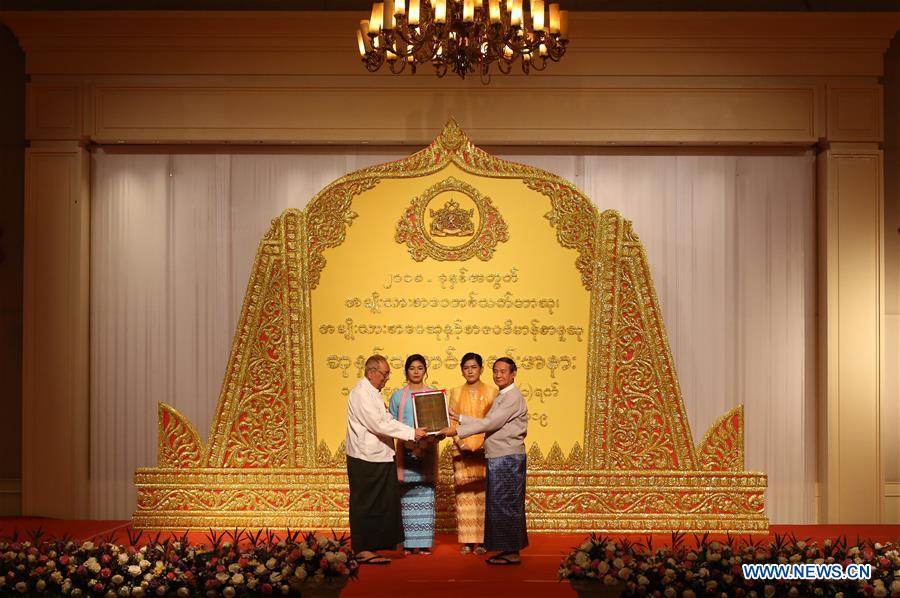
448,573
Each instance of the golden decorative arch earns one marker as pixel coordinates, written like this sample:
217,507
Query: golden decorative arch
637,469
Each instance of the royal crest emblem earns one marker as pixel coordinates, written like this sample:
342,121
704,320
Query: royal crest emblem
452,220
462,224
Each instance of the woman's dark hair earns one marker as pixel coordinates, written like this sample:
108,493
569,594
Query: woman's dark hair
508,361
469,356
412,359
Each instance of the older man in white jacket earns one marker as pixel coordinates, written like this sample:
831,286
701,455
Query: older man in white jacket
375,522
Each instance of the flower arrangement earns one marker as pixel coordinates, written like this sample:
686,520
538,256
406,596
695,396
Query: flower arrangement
711,568
234,564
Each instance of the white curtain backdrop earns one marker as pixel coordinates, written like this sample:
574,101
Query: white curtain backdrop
731,243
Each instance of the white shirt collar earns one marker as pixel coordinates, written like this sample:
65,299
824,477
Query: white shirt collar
511,386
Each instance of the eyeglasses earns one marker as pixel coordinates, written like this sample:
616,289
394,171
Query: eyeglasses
386,374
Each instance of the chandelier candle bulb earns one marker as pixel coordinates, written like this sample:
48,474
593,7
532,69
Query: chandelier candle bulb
564,24
388,15
468,11
362,44
515,16
413,17
554,17
495,12
440,11
537,15
375,19
399,7
364,30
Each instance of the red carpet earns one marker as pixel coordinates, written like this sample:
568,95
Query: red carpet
446,572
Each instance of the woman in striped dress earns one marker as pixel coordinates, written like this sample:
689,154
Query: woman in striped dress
417,464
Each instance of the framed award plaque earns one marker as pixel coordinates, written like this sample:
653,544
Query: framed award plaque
430,410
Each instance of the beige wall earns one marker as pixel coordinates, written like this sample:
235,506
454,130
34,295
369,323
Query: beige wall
639,79
892,281
12,168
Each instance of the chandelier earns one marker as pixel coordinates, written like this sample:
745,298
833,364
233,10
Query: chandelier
462,36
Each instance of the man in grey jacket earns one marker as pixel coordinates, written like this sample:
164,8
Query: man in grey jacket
505,427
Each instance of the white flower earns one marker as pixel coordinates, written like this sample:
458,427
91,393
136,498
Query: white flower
271,563
581,559
123,558
237,579
21,587
87,546
611,546
138,592
703,572
234,568
41,585
260,569
342,557
144,563
134,570
56,577
228,592
801,544
586,546
183,592
307,553
275,578
714,556
624,573
323,541
300,572
618,563
117,579
124,591
642,581
222,577
895,586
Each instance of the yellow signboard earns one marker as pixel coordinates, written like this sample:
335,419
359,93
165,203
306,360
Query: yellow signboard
443,265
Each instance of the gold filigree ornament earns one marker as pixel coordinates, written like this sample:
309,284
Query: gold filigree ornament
636,471
435,225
